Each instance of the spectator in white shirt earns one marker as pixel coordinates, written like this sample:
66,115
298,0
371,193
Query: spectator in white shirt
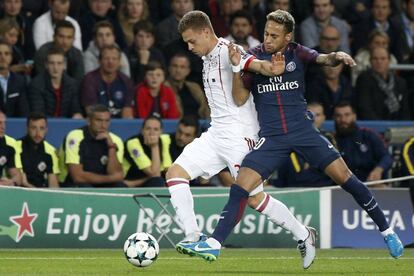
43,27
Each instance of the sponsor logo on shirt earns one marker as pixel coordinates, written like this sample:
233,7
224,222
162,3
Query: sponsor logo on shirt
277,84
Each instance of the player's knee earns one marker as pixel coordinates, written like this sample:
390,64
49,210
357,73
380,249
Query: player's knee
248,179
176,171
255,200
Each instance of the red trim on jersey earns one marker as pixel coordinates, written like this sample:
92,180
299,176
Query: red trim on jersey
176,182
282,113
266,201
246,65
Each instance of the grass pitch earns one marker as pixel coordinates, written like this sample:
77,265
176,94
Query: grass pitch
231,262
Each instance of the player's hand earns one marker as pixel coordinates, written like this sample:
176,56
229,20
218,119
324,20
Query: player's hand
234,54
104,136
6,182
151,140
375,174
278,63
345,59
144,56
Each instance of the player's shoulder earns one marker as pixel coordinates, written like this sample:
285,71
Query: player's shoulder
257,50
370,133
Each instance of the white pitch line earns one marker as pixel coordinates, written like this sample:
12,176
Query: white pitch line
186,258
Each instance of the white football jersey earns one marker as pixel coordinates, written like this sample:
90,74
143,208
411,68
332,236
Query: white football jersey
227,119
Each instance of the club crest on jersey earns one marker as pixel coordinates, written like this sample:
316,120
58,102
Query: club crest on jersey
104,160
291,66
42,166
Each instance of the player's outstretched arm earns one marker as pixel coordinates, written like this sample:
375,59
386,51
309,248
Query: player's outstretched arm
239,92
269,68
335,58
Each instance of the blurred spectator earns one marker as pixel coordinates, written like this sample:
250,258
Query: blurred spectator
329,88
311,27
39,158
220,18
329,41
408,165
10,33
190,96
108,86
380,19
147,155
43,27
152,97
407,157
167,29
143,50
187,130
376,38
53,92
357,11
77,8
63,38
100,10
13,99
92,156
381,94
406,33
10,164
103,35
241,26
362,149
131,12
196,63
297,172
36,8
278,5
13,9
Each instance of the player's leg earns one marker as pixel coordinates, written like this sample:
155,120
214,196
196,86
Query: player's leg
278,213
230,216
319,152
340,173
188,167
182,201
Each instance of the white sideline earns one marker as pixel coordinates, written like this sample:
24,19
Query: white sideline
188,259
286,191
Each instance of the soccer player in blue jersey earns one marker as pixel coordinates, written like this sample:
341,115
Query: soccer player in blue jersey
286,126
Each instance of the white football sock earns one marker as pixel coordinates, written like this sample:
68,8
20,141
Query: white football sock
183,203
213,243
387,232
278,213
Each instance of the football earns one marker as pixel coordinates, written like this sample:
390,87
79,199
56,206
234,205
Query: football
141,249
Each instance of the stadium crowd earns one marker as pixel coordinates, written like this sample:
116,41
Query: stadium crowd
103,59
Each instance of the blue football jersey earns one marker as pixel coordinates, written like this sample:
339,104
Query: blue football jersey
279,100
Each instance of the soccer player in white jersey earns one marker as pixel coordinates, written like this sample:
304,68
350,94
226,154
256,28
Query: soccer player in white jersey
231,135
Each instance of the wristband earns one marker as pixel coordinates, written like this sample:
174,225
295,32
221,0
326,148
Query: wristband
236,68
